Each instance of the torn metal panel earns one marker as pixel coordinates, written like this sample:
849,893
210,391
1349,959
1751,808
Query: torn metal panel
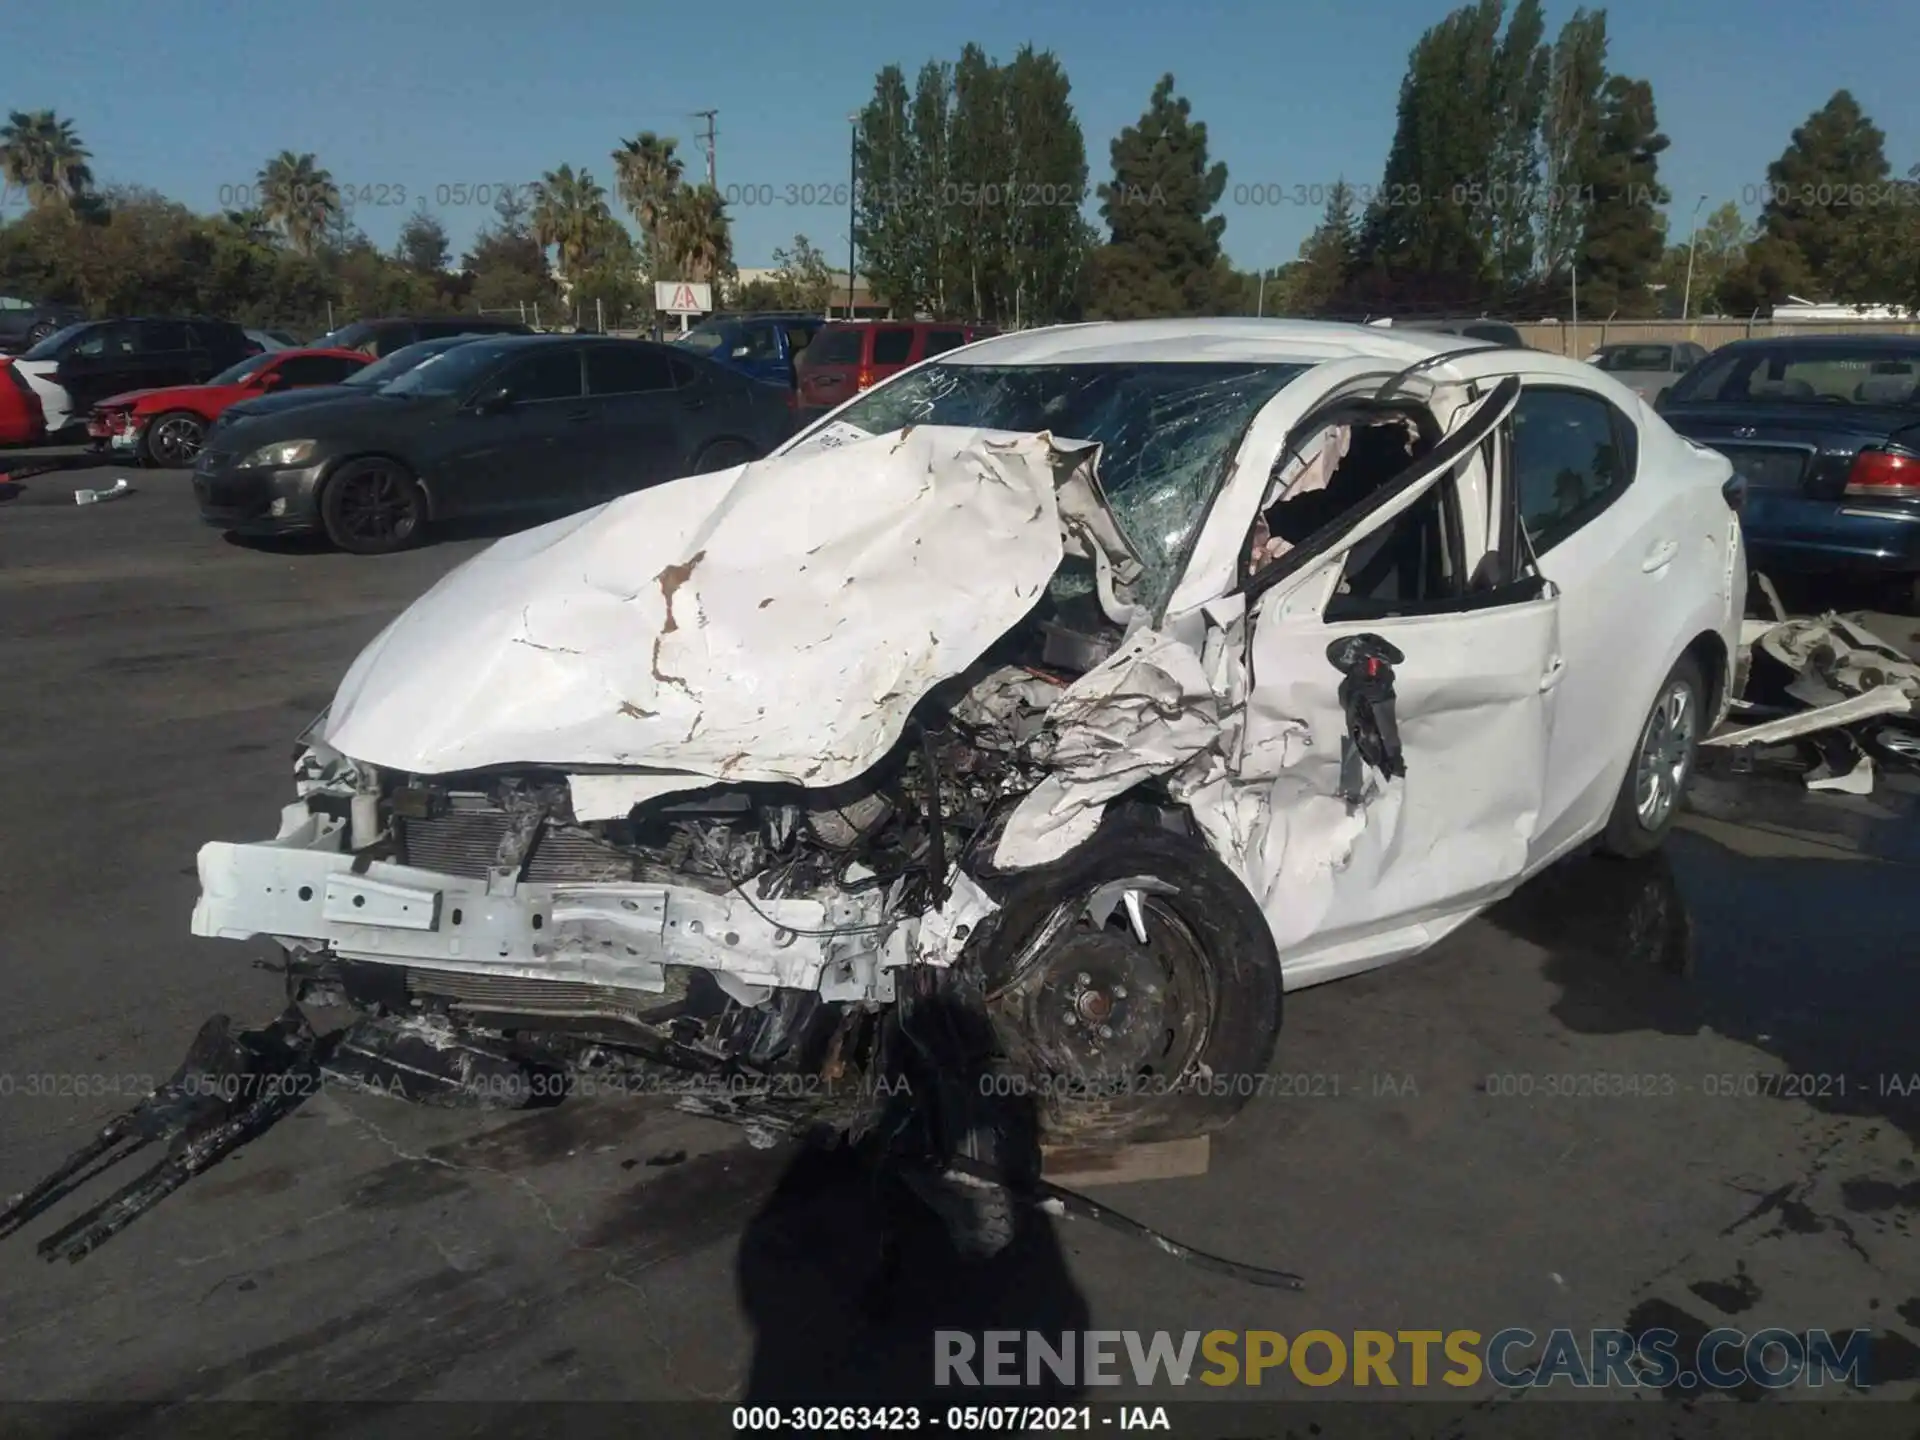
1144,713
1882,700
747,625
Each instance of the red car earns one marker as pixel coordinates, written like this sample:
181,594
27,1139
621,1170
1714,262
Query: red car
167,427
22,421
849,356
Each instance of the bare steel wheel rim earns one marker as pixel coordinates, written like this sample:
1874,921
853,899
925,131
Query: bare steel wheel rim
1666,753
377,506
177,440
1119,1001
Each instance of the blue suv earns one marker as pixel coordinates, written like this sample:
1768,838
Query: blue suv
764,346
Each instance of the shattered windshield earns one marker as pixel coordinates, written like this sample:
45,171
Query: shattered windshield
1165,430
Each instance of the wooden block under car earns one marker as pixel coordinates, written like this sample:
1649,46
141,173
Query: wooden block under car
1079,1168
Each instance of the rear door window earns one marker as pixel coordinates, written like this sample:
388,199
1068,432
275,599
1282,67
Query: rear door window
160,337
892,346
836,345
941,341
618,370
1823,376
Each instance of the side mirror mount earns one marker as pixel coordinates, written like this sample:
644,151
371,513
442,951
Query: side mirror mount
739,352
492,402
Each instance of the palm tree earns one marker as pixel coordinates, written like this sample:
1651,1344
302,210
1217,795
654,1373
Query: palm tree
697,238
570,213
43,156
647,175
299,197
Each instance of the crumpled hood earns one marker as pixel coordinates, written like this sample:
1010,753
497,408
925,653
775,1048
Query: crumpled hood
774,622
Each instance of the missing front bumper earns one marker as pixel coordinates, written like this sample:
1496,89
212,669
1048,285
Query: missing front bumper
315,897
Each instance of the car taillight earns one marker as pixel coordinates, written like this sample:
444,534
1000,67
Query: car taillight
1876,475
863,379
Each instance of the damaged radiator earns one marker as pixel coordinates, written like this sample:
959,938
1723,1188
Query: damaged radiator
463,842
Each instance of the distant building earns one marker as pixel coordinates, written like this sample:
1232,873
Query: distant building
1796,311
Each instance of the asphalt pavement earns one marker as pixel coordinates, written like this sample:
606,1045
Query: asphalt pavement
1430,1159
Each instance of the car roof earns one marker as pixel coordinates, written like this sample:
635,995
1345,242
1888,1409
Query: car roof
1300,342
332,352
1891,343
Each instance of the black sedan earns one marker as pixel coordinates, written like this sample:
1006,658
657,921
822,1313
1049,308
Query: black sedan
538,424
1824,431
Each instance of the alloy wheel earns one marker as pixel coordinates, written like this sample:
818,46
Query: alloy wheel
1666,754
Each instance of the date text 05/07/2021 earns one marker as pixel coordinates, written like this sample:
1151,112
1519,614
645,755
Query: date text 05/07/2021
953,1419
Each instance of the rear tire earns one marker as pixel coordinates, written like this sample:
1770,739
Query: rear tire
373,507
721,455
1125,1041
1660,766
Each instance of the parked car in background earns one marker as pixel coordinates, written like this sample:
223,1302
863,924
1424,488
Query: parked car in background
848,356
507,425
168,425
24,324
1648,369
1824,433
1499,332
371,376
74,369
380,338
766,346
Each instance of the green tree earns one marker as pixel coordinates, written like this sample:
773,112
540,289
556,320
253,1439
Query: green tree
1317,280
510,270
1428,230
300,198
648,175
1164,243
801,279
1623,240
938,239
1569,131
697,237
1834,162
1522,64
891,229
570,215
1717,245
423,245
1046,241
42,155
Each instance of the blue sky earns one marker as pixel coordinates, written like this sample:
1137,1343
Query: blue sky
423,97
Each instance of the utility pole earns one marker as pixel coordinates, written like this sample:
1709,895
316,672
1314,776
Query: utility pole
1693,235
706,141
853,191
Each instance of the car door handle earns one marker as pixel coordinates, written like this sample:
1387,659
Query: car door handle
696,404
1556,672
575,417
1660,556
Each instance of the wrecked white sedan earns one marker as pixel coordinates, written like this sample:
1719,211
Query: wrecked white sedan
1118,677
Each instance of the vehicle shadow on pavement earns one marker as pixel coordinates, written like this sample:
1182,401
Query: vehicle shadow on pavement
46,479
846,1275
313,542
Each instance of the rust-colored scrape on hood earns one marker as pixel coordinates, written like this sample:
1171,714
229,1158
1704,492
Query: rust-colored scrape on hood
671,579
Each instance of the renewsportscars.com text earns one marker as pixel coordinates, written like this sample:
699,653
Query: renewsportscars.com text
1724,1359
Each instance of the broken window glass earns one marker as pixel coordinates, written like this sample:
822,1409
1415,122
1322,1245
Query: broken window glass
1166,431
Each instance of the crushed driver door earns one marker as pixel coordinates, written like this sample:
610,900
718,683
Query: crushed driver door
1400,746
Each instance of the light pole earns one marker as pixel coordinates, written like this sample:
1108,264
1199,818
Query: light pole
1693,236
853,186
